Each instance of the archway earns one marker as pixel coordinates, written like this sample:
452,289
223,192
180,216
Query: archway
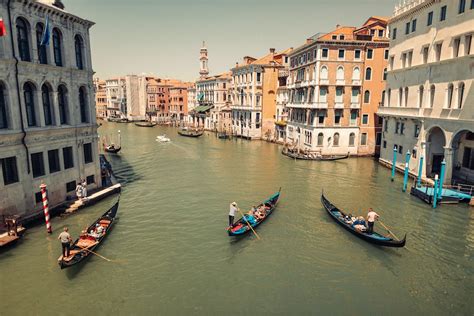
435,151
463,157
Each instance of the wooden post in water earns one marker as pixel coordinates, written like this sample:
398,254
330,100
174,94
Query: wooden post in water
405,176
441,179
420,171
394,162
44,196
435,191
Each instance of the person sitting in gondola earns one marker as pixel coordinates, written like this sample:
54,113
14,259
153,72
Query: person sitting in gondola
249,219
359,224
97,232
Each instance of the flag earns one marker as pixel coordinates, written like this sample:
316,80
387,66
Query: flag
3,30
46,33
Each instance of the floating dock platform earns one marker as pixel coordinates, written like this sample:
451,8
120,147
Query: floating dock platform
448,196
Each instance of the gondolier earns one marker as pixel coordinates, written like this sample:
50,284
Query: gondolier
65,239
232,210
371,217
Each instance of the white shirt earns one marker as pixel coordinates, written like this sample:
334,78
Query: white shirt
371,216
232,210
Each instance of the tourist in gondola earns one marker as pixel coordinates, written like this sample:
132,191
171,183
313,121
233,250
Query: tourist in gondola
371,218
232,210
65,239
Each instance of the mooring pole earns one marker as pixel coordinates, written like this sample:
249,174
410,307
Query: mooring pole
394,162
435,191
420,170
441,179
405,176
44,196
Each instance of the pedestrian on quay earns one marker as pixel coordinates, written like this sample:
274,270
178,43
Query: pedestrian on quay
371,218
65,239
84,189
79,191
232,210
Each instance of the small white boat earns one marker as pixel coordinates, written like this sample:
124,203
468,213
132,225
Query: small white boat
162,139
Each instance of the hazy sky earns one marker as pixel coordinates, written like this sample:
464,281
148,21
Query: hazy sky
163,37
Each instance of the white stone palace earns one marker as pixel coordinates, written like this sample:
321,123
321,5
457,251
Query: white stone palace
48,130
428,106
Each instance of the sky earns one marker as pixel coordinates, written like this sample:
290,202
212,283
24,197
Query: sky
163,37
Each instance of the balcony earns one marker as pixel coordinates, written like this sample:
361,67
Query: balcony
340,82
356,82
355,104
320,105
339,104
323,81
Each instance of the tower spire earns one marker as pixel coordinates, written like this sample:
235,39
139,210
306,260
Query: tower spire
204,72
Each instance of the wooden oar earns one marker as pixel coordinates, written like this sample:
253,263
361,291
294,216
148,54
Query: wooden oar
389,231
258,237
95,253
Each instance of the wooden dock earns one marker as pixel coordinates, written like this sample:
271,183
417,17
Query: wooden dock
93,198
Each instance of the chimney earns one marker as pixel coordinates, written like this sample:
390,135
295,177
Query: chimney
272,50
338,26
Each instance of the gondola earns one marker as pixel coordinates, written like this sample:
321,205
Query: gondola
190,132
303,156
374,238
112,149
80,249
268,206
223,136
145,124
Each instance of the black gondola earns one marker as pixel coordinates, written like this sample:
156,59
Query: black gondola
374,238
305,156
112,149
268,206
82,247
146,124
190,132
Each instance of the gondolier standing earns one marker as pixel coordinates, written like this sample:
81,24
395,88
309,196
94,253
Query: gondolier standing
371,217
65,239
232,210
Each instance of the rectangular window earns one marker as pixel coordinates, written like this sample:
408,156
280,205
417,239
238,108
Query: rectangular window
353,117
409,58
430,18
394,33
384,144
378,139
385,55
370,53
90,179
259,75
472,4
363,139
37,164
438,48
443,12
417,130
407,28
462,6
365,119
385,128
467,43
53,159
88,153
468,158
456,44
341,54
413,26
425,54
400,149
397,127
9,170
380,33
337,117
71,186
325,53
357,54
38,197
402,128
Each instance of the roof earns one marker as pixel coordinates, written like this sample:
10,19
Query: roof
202,108
275,57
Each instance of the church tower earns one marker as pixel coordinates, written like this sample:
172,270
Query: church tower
204,72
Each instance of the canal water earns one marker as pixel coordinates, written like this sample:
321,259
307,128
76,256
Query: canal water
172,255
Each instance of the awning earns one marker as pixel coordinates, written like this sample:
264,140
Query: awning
202,108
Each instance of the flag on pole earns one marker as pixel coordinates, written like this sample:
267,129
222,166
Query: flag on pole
46,33
3,30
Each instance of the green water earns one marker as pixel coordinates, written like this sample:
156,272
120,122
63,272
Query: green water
173,255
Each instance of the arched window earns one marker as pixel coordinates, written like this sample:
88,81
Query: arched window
22,31
57,47
3,107
340,73
324,73
368,74
320,139
351,139
29,95
450,95
421,92
46,97
406,97
367,96
62,104
385,74
432,95
336,139
83,104
79,47
323,94
460,94
356,74
42,56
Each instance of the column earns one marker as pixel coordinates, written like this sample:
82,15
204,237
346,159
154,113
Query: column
448,156
55,108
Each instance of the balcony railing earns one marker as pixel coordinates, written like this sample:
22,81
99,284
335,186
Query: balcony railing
356,82
339,104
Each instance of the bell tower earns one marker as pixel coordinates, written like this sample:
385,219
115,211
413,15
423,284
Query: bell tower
204,72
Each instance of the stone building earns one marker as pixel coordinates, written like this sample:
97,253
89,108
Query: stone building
100,98
48,130
191,104
116,98
429,99
179,102
281,115
335,85
253,93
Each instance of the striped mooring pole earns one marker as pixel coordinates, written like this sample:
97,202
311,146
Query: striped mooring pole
44,195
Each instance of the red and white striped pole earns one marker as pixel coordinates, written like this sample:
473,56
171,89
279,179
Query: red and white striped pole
46,207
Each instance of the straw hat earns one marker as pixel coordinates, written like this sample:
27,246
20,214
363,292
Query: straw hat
234,204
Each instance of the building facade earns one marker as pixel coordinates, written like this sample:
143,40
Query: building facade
115,91
281,115
100,98
429,101
179,102
48,126
191,104
253,93
335,85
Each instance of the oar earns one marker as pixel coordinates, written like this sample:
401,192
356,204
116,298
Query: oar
258,237
389,231
95,253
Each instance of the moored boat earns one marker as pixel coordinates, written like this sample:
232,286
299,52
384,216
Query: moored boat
112,149
145,124
264,210
374,238
190,132
83,247
312,156
223,136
